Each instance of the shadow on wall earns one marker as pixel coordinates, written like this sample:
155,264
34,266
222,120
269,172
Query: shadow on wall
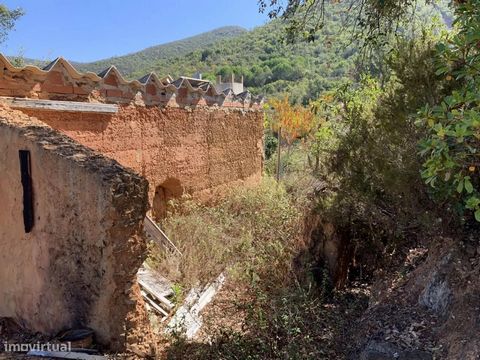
170,189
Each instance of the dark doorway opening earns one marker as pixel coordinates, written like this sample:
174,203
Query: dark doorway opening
170,189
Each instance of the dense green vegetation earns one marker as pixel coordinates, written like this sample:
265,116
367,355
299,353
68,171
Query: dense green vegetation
452,144
366,143
269,65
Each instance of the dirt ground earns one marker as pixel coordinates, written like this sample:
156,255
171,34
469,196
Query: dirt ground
428,308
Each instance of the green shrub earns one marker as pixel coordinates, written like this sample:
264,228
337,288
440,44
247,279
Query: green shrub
452,145
271,145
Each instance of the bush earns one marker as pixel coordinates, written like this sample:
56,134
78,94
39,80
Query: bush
376,164
365,157
271,144
452,145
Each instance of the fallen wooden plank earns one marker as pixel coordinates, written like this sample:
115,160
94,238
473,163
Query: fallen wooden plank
157,234
57,105
154,305
187,319
184,322
208,293
65,355
145,286
155,281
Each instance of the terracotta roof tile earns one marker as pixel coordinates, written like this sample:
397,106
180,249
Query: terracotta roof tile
60,80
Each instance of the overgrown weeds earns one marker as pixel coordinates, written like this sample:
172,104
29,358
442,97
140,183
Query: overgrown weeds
256,234
294,323
360,171
253,233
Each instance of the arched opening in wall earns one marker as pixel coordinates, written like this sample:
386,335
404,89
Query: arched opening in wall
168,190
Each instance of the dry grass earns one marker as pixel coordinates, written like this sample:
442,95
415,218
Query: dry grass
252,232
255,233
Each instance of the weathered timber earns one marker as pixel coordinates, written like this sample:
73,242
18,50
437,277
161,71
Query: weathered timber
157,235
58,105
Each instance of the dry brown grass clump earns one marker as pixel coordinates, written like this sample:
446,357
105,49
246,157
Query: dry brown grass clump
252,232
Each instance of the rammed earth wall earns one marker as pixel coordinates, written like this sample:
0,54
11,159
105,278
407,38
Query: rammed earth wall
199,150
181,135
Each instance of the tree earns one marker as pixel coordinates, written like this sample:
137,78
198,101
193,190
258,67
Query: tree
7,20
452,146
290,122
294,120
373,19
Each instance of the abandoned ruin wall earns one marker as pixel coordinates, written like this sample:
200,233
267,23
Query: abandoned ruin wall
181,135
77,265
197,151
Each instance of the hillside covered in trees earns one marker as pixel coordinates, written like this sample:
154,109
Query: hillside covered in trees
269,63
149,58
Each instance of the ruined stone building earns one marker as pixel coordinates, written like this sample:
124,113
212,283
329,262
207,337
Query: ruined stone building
83,157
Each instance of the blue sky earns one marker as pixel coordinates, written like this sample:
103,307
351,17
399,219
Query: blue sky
89,30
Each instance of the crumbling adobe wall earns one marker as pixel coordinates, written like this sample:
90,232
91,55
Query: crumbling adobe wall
77,267
204,149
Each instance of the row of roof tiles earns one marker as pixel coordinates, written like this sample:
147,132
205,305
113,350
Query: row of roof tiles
110,86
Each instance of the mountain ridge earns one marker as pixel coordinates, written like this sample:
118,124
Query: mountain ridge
176,48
